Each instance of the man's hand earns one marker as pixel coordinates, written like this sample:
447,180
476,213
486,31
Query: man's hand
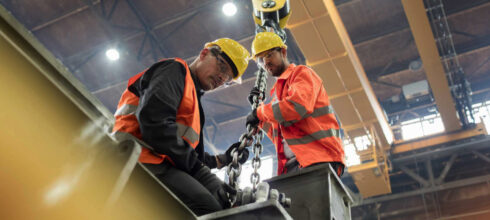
252,118
218,188
227,157
255,92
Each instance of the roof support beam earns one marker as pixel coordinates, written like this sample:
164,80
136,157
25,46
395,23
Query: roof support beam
446,169
424,39
482,156
414,176
149,31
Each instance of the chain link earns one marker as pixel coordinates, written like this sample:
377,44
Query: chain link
253,135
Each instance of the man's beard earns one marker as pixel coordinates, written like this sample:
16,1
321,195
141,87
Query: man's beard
280,69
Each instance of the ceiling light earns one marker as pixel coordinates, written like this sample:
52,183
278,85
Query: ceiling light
112,54
229,9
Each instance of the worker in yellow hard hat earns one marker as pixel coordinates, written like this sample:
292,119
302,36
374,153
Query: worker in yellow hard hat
299,120
162,107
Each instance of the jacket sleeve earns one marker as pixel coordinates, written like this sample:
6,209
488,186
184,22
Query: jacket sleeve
297,102
160,94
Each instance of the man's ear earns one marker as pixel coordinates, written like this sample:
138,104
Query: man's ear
204,52
284,52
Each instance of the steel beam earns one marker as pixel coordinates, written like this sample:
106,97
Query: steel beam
480,155
66,120
414,176
430,172
424,39
445,151
321,34
434,140
446,169
450,185
50,22
146,26
49,66
402,27
107,26
160,24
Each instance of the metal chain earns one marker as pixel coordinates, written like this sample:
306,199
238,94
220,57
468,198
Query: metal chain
253,135
261,84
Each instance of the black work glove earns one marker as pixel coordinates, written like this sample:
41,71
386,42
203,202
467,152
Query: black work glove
255,92
210,160
217,187
252,118
227,157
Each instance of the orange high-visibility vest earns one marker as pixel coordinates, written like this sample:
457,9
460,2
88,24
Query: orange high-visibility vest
187,119
301,114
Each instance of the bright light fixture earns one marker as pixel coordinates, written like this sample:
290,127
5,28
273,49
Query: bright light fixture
229,9
112,54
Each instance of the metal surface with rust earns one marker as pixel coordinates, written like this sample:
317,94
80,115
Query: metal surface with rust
268,210
315,192
57,159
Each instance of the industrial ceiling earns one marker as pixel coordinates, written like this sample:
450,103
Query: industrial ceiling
78,33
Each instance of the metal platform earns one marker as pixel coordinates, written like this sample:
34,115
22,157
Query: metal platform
315,192
270,210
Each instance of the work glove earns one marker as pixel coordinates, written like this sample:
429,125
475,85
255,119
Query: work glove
252,118
255,92
227,157
217,187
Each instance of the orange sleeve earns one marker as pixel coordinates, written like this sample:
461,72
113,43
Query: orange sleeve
297,102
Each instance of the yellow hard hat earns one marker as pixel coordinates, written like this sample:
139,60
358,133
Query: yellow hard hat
265,41
234,52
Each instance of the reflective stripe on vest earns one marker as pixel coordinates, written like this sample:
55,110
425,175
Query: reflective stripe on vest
187,118
301,110
187,133
126,109
314,137
307,122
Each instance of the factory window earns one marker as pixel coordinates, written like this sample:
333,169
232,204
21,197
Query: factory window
351,156
481,112
420,127
432,124
352,150
362,142
412,129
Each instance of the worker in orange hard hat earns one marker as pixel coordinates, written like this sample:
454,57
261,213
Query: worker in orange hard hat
162,107
300,120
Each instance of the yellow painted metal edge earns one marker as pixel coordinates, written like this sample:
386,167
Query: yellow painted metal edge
424,39
53,69
402,147
362,167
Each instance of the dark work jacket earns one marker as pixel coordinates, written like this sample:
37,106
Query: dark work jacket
160,90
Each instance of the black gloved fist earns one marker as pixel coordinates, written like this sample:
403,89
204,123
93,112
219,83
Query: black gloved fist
218,188
255,92
252,118
227,157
